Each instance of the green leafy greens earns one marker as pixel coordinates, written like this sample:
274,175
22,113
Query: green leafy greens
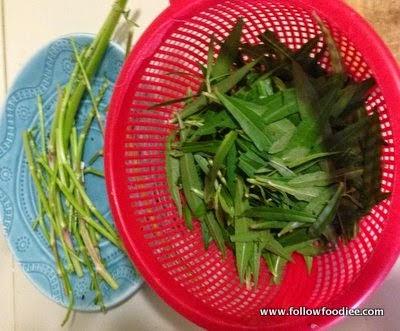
280,156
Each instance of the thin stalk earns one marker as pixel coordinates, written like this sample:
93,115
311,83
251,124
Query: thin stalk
73,150
88,263
99,267
83,135
61,156
41,215
73,142
56,230
69,293
60,231
71,250
101,44
87,200
47,210
54,249
32,168
73,80
76,160
41,124
63,276
95,157
94,171
88,122
112,237
94,236
128,43
88,86
52,140
92,232
75,255
80,209
41,221
64,225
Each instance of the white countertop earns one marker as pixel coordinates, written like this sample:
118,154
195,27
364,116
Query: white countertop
26,26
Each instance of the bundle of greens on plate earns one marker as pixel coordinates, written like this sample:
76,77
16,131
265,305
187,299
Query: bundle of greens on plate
68,219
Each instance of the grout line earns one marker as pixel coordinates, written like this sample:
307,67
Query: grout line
13,298
5,77
3,32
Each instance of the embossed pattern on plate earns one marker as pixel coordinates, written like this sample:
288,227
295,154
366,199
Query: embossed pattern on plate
50,67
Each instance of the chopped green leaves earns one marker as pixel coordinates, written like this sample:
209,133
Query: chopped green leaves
279,214
190,180
250,122
173,175
276,156
220,155
229,52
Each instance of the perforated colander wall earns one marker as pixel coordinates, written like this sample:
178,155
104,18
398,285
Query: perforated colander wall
202,277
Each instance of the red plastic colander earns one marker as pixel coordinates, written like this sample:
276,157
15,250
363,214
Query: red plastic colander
198,283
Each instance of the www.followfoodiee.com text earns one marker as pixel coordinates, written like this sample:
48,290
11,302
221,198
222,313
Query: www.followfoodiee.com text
323,311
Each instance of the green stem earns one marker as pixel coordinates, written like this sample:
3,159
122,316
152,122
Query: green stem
83,135
54,249
87,200
99,267
32,168
89,265
59,228
94,171
71,250
88,86
56,219
61,156
102,41
41,221
76,160
52,140
79,207
95,157
89,120
69,293
41,124
128,43
112,237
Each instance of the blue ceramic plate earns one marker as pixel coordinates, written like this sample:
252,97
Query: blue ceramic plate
50,67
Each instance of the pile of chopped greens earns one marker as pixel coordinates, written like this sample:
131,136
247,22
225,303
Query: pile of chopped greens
275,155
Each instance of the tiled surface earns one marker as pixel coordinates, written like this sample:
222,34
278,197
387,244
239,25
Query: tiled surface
30,24
384,15
6,267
